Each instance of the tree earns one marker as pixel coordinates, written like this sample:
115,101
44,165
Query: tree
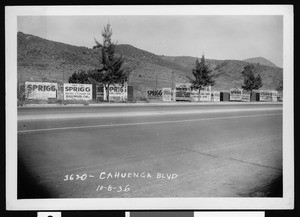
202,74
111,71
251,82
279,87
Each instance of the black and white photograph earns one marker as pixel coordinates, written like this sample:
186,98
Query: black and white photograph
180,106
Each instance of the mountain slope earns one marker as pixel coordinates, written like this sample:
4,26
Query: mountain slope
44,60
261,61
228,72
228,75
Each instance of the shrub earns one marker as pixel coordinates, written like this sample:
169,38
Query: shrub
21,94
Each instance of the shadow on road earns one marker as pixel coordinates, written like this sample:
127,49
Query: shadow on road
28,187
271,189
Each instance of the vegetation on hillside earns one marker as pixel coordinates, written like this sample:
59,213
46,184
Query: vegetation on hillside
44,60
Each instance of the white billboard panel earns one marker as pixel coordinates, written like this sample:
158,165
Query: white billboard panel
78,91
167,94
100,93
274,94
183,91
118,92
245,96
40,90
156,94
215,96
265,96
194,95
205,96
236,94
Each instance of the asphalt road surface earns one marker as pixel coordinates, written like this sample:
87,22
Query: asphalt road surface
224,150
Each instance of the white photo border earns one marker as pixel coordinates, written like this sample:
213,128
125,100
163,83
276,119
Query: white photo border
12,203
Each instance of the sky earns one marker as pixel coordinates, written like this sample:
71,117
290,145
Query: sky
218,37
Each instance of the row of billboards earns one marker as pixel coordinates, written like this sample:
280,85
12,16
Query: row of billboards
184,92
119,93
46,91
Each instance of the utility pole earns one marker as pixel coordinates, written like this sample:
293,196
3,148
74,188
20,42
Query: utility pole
156,81
172,79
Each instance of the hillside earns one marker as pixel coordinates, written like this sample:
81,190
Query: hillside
44,60
228,72
261,61
189,62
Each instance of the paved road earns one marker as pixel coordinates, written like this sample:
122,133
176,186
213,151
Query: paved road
150,151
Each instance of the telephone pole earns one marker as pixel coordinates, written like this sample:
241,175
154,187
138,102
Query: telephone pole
156,81
172,79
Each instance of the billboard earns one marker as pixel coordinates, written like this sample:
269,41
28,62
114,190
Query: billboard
118,92
205,96
236,94
40,90
194,95
279,96
274,96
215,96
245,96
167,94
154,94
100,93
183,91
265,96
78,91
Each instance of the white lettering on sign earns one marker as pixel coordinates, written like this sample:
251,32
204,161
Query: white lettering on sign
118,92
40,90
78,92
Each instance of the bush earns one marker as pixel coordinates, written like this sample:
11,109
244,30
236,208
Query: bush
59,101
21,94
20,103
